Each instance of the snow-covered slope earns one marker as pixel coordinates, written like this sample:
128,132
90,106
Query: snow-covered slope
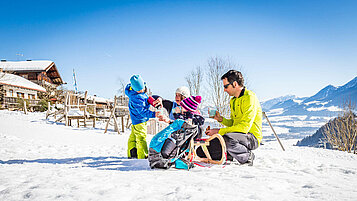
322,102
267,105
42,160
298,117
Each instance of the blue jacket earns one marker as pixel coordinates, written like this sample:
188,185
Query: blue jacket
138,106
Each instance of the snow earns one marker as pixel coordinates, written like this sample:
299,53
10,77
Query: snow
43,160
25,65
318,118
98,99
277,111
331,108
312,102
15,80
298,101
75,112
317,103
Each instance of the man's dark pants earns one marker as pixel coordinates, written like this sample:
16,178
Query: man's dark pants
239,145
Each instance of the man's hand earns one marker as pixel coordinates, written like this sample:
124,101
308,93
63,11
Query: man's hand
158,102
218,117
212,131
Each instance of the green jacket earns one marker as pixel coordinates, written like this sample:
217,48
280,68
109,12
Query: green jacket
246,115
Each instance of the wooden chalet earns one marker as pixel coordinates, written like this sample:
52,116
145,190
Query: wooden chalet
42,72
14,87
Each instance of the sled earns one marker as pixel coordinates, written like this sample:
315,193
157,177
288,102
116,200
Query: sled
204,144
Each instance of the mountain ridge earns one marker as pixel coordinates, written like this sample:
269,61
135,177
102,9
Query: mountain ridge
324,102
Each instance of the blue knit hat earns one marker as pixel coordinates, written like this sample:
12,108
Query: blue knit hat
137,83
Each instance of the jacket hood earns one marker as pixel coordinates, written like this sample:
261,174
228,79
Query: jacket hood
129,91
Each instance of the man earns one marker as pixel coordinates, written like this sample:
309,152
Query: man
243,131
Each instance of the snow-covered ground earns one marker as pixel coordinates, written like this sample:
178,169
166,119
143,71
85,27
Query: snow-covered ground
292,126
42,160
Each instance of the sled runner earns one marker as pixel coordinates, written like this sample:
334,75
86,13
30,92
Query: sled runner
211,150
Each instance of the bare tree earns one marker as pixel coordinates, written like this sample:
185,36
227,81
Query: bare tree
341,132
216,67
122,84
194,80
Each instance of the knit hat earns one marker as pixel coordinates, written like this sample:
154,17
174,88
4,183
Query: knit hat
137,83
185,91
191,103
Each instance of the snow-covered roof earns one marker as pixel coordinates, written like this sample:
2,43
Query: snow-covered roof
25,65
96,98
18,81
99,99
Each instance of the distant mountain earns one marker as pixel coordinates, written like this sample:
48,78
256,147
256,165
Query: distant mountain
325,102
322,94
295,117
288,103
345,93
336,95
266,105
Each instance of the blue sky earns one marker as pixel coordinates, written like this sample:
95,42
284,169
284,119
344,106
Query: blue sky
284,47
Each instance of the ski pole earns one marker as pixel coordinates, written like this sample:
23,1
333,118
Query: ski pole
266,117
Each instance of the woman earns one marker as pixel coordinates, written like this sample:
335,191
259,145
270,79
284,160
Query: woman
173,107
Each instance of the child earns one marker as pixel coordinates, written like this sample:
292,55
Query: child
189,106
140,114
187,110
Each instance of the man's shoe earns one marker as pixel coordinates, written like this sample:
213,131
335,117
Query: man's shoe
232,162
229,157
250,159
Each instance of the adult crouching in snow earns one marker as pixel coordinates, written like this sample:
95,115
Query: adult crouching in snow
243,131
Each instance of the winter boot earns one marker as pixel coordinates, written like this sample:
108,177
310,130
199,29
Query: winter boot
250,159
133,153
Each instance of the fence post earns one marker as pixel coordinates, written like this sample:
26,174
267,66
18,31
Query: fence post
25,106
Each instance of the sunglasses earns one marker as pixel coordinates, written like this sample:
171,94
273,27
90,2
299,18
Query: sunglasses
226,86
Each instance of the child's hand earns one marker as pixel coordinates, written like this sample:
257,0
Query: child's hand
162,117
158,114
158,102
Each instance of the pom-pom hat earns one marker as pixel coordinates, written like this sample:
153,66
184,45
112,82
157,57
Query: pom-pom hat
191,103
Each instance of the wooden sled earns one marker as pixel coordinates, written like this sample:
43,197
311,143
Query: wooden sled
203,143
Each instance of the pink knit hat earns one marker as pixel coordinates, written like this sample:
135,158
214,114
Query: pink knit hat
191,103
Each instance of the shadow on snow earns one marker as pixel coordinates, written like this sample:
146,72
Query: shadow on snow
100,163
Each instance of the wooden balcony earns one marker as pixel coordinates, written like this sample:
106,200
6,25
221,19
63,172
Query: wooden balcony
11,102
